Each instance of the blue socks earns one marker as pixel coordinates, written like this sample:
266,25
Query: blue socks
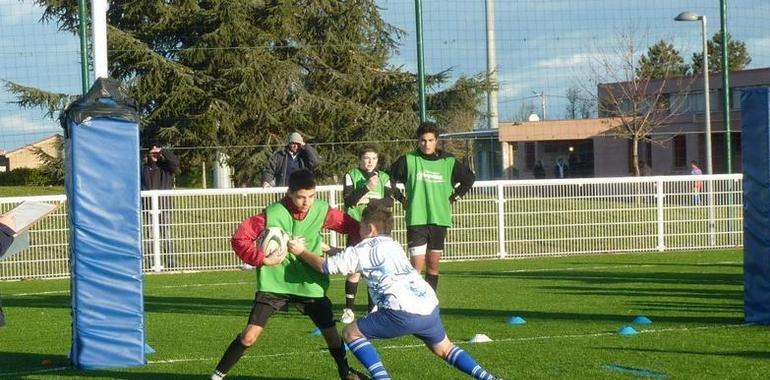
464,362
367,355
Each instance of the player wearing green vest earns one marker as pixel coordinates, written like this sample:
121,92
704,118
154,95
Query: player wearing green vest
433,180
364,186
289,280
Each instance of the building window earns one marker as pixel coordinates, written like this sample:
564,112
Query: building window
680,151
529,155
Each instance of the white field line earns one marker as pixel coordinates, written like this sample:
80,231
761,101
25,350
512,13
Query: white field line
340,278
409,346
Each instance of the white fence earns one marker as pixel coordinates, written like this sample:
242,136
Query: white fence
191,229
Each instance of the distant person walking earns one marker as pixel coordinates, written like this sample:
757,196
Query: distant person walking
697,186
158,172
561,170
294,156
539,171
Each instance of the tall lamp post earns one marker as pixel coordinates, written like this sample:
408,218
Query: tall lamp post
692,16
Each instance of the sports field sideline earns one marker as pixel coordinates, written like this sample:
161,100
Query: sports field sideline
573,307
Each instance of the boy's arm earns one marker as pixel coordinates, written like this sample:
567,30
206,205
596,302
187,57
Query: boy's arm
350,195
243,240
345,262
341,222
463,176
398,175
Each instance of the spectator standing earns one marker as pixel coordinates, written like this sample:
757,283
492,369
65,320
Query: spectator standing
294,156
539,171
561,170
697,186
158,171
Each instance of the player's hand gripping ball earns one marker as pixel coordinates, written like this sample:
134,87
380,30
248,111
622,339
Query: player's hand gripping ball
273,242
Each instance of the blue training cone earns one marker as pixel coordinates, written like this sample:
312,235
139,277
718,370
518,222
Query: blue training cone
316,332
627,331
516,320
148,350
642,320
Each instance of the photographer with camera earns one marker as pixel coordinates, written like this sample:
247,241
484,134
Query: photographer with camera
158,174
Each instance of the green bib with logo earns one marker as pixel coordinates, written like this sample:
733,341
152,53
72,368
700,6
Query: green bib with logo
428,188
293,276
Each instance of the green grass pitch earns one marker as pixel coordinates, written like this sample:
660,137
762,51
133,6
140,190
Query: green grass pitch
573,307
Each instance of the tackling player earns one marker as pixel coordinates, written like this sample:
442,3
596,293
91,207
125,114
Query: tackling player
300,215
406,304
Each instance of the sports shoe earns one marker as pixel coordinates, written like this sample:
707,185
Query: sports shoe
354,375
217,375
347,316
247,267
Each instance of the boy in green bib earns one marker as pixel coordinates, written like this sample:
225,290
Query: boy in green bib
433,180
289,280
364,186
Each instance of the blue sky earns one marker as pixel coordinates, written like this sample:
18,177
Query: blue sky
542,46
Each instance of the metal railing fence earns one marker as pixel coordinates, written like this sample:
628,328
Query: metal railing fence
191,229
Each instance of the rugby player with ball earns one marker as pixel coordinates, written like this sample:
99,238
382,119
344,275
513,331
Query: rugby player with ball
299,215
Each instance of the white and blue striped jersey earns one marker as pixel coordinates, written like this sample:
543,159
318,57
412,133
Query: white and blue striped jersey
393,282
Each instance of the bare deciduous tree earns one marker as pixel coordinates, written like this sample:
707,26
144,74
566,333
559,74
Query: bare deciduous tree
639,102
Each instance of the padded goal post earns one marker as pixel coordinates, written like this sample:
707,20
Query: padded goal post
103,196
755,146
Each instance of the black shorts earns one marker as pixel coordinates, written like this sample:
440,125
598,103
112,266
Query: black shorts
429,235
265,304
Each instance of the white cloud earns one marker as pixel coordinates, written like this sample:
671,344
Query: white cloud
19,130
567,61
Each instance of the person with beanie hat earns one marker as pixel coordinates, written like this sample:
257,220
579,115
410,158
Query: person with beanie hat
294,156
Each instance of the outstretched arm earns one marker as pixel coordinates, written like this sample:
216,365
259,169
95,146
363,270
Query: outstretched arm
297,248
345,262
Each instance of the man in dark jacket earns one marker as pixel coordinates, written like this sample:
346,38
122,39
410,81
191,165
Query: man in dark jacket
295,155
158,173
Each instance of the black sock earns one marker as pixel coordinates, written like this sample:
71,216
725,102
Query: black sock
369,302
339,357
231,356
351,288
432,280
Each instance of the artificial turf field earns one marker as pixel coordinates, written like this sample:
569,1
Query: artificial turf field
573,307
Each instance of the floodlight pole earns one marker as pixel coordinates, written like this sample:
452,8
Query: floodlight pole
99,19
82,22
420,61
726,109
492,118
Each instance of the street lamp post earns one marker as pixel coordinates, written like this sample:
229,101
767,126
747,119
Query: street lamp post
692,16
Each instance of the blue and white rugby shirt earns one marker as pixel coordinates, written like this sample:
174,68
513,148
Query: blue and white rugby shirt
393,282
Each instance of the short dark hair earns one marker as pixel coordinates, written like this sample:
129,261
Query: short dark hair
153,143
301,179
366,149
380,217
693,162
427,127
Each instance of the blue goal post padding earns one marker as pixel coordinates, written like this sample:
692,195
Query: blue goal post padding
755,145
103,195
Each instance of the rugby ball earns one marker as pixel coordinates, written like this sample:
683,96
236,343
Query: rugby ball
273,242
